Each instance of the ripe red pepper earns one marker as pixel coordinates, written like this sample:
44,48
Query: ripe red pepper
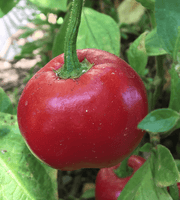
109,185
87,122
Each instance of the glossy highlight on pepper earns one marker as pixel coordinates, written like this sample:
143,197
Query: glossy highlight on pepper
87,122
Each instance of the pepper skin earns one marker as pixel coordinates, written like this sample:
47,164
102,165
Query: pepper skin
109,185
87,122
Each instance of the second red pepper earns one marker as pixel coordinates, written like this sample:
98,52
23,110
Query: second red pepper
109,185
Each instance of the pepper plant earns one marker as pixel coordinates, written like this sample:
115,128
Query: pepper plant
88,109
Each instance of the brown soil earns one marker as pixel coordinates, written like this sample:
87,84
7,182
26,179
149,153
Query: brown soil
12,74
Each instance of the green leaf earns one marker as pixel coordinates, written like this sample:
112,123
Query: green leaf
5,103
146,147
129,191
53,4
29,47
177,164
88,194
6,6
167,13
175,91
22,176
149,4
177,46
153,44
148,189
137,55
58,44
160,120
165,169
130,12
151,180
174,191
98,31
20,56
28,32
142,187
38,21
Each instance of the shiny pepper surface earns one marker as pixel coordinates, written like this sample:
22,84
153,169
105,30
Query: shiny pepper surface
109,185
87,122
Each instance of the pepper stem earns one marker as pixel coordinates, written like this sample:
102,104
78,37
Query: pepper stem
124,170
70,56
72,68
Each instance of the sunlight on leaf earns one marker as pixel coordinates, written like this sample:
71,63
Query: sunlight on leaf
130,11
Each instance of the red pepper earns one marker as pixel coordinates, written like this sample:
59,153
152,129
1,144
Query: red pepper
87,122
109,185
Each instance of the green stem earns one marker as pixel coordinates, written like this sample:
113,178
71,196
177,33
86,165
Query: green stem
124,170
152,18
60,184
159,79
155,139
176,48
72,68
70,55
76,185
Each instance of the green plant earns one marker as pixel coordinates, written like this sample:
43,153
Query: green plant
154,55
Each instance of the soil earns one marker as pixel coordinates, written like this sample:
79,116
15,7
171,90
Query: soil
12,73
